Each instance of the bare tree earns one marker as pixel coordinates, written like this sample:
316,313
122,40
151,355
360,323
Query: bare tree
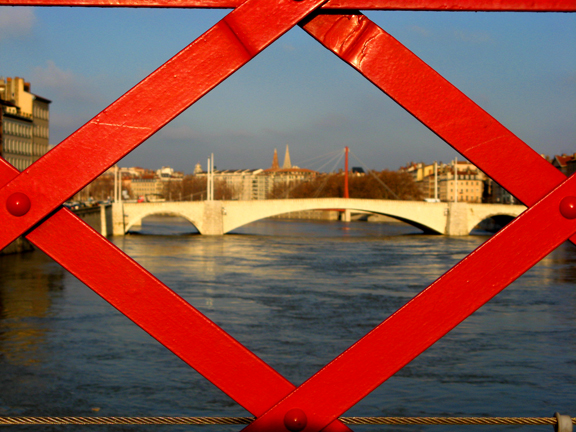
375,185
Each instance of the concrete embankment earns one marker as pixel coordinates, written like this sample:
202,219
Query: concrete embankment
98,217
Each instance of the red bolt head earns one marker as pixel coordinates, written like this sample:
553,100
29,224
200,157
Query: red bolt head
295,420
568,207
18,204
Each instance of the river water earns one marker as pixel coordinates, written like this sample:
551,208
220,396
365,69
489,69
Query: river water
297,294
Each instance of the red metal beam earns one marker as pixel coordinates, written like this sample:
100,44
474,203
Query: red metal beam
434,101
138,114
476,279
430,315
422,5
159,311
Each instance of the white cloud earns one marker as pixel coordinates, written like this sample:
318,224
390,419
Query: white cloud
75,98
16,22
63,84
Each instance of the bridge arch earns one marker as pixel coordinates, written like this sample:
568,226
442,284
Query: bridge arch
499,212
495,222
134,222
429,217
135,213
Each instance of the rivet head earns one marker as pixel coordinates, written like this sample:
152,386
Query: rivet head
568,207
18,204
295,420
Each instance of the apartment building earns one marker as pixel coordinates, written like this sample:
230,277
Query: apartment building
24,123
459,181
257,184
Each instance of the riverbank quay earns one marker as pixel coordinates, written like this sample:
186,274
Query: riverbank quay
98,217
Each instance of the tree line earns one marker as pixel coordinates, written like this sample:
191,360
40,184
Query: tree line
190,188
373,185
193,188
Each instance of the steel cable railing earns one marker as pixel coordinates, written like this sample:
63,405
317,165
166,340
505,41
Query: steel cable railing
524,421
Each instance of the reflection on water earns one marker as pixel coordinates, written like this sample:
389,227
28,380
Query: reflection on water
27,284
296,293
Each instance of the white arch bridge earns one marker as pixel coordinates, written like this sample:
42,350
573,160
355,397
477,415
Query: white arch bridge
221,217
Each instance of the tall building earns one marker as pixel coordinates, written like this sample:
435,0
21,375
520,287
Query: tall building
24,123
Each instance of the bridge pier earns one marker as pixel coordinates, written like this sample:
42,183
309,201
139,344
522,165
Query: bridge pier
213,218
457,220
346,215
118,224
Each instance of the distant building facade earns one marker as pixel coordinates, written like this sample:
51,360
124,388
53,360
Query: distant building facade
565,163
147,185
257,184
24,123
456,182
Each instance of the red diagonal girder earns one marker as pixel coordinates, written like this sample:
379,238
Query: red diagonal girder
464,125
153,306
160,312
456,295
138,114
428,316
434,101
425,5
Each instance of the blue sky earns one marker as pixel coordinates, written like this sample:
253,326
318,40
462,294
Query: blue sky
520,67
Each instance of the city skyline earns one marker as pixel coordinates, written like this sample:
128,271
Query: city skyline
521,68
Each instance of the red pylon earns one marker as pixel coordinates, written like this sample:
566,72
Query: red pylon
346,193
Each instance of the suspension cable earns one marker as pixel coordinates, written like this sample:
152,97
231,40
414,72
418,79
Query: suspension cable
307,163
327,177
371,172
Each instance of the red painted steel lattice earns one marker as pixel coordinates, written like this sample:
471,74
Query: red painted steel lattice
231,43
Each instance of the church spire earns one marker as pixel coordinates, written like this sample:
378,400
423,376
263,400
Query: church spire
275,164
287,163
